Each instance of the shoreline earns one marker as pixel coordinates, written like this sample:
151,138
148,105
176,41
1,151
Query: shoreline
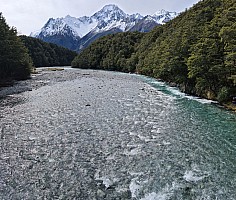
230,106
48,75
41,77
227,105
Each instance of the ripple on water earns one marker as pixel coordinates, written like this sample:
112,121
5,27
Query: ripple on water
148,143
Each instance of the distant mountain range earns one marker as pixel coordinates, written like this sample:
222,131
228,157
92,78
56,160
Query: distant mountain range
78,33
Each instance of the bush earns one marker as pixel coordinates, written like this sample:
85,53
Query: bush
223,95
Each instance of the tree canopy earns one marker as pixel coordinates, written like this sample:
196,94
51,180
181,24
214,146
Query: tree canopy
196,51
46,54
112,52
15,62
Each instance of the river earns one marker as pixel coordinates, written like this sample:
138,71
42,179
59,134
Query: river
84,134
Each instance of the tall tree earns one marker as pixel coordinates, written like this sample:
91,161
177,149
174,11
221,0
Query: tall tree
196,51
15,62
46,54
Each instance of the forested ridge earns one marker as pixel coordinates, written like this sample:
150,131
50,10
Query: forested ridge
20,54
196,51
111,52
46,54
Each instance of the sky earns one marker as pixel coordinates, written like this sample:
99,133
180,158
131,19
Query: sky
30,15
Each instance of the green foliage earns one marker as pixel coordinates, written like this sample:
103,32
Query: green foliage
223,95
47,54
112,52
233,78
196,50
15,62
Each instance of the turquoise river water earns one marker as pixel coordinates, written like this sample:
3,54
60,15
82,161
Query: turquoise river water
106,135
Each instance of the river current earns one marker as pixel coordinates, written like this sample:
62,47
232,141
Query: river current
105,135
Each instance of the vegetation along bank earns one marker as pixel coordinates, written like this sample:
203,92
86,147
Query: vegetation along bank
19,55
196,51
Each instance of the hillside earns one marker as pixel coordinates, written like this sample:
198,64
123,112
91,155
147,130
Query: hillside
196,51
46,54
18,54
15,62
110,52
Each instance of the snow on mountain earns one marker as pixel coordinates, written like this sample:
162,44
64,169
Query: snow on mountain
77,26
109,13
162,16
110,17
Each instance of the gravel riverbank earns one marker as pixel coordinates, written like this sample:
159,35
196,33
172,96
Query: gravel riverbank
42,77
97,135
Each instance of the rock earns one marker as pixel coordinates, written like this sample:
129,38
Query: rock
101,194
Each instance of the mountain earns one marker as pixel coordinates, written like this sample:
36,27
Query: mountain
196,51
77,33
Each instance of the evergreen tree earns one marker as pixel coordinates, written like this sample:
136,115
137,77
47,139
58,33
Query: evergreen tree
47,54
111,52
196,51
15,62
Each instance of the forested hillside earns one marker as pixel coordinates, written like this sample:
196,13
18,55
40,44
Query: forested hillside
15,62
46,54
18,54
196,51
111,52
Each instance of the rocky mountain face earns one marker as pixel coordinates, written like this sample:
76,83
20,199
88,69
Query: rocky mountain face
78,33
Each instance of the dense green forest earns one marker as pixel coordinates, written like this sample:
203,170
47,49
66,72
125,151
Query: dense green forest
15,62
111,52
196,51
20,54
46,54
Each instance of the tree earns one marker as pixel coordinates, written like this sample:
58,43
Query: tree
196,51
47,54
15,62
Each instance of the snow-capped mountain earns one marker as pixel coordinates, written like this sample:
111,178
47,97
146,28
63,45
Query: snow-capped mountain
163,16
77,33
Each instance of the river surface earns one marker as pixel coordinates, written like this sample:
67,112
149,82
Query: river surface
90,135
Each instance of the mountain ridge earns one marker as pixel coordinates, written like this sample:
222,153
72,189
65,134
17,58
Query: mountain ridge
196,51
71,32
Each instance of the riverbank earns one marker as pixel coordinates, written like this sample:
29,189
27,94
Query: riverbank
41,77
49,75
105,135
227,105
6,83
230,106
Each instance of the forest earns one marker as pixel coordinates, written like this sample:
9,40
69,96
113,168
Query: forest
15,62
196,51
19,55
111,52
46,54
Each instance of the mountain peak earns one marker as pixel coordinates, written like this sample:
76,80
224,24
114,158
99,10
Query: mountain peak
163,16
109,11
68,17
110,7
110,19
161,12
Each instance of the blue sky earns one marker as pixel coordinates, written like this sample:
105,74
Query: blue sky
30,15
